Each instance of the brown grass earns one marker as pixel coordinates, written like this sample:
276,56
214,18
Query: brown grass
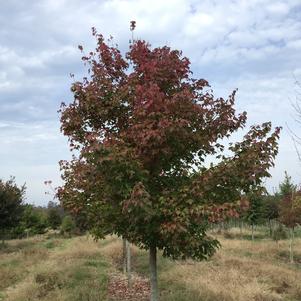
80,268
72,272
241,271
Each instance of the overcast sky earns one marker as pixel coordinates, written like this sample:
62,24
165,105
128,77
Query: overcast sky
251,45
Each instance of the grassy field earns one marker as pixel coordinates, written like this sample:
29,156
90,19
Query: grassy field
79,268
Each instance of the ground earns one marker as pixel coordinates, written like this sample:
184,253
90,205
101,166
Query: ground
52,268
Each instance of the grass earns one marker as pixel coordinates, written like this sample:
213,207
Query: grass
72,269
80,269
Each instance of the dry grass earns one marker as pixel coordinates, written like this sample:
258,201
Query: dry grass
241,271
73,270
80,268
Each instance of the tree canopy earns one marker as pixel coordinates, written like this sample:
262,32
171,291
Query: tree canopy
11,199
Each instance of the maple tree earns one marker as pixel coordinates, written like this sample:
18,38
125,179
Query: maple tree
140,127
290,209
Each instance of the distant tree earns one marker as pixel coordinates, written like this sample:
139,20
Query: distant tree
142,128
68,225
286,187
54,215
254,214
11,199
271,209
34,220
290,215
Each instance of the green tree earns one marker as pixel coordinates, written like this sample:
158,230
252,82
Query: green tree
287,187
68,225
54,215
11,200
142,127
256,210
271,209
34,220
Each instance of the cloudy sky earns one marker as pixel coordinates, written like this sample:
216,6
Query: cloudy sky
252,45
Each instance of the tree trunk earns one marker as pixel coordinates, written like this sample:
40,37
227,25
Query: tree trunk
240,228
291,245
124,255
252,226
128,263
153,273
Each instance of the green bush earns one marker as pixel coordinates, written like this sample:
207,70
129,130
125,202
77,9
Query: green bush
68,226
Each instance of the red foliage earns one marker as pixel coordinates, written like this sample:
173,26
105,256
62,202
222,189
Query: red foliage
143,126
290,210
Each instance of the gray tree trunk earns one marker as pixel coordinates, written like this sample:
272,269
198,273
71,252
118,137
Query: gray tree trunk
124,255
252,231
128,263
153,273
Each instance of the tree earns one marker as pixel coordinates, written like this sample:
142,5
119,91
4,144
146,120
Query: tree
54,215
286,187
11,199
68,225
271,209
290,215
140,128
255,212
34,220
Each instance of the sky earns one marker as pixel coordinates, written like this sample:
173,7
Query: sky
252,45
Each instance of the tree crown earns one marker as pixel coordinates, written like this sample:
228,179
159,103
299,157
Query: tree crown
143,127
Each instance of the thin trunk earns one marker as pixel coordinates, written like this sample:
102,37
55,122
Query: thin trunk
270,227
252,226
153,273
291,245
240,228
124,255
128,263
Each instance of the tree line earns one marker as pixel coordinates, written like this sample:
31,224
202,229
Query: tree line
19,219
